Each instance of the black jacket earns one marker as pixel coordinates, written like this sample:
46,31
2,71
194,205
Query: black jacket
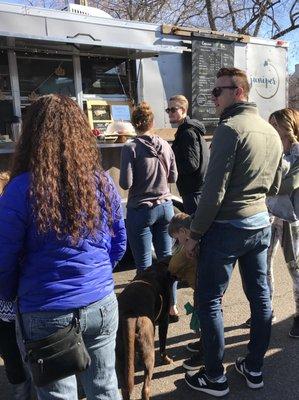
192,156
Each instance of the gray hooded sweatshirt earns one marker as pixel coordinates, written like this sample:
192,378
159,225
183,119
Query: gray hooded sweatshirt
147,166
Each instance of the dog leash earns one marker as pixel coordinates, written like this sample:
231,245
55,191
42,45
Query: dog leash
159,313
161,298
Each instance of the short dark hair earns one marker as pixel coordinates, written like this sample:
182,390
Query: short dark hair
238,76
180,220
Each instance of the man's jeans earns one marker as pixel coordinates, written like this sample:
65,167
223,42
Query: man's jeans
220,248
147,226
190,202
99,323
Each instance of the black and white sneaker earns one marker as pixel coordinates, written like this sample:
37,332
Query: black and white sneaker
194,347
254,380
199,381
193,363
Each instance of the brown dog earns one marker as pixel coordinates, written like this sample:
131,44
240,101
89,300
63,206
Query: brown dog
143,303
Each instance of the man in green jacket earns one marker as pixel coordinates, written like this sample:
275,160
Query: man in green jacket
231,224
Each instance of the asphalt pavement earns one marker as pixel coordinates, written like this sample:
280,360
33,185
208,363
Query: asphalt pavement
281,368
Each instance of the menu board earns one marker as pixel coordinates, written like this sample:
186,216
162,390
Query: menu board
208,56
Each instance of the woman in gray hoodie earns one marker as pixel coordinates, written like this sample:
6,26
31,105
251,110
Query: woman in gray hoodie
147,167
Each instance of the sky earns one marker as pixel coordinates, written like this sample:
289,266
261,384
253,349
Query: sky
292,38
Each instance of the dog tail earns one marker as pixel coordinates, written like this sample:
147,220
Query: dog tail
129,333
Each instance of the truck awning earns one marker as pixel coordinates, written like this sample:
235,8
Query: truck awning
110,37
79,46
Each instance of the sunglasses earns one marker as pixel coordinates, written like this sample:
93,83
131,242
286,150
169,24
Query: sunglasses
172,109
216,92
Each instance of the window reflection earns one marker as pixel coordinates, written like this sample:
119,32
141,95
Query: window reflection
45,74
103,75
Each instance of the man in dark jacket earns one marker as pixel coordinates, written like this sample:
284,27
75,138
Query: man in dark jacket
190,150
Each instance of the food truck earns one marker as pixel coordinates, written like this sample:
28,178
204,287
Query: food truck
107,65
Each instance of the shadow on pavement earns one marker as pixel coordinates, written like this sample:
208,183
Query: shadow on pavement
178,339
280,370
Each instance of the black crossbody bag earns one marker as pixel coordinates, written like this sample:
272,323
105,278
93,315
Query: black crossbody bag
58,355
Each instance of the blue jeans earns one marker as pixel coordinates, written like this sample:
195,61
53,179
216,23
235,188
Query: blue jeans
147,226
220,248
99,323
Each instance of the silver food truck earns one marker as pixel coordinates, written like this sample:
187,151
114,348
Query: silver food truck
107,65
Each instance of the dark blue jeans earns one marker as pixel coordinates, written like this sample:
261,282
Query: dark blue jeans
220,248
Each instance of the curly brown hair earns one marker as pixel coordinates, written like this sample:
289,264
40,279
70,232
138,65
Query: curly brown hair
142,117
59,150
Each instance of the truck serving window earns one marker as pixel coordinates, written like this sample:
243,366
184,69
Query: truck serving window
40,74
103,75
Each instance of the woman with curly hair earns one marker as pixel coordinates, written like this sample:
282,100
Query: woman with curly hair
61,233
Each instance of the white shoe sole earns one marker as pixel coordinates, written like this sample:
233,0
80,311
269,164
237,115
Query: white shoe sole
212,392
191,349
249,384
293,336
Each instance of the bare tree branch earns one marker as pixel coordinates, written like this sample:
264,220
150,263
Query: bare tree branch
210,15
232,14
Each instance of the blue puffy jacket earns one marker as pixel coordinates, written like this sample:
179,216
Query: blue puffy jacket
51,274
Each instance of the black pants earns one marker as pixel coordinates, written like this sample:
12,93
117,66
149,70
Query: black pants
10,353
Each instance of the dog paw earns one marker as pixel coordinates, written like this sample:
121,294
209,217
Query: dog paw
166,359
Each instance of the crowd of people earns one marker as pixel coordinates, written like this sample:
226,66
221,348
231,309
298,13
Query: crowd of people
62,232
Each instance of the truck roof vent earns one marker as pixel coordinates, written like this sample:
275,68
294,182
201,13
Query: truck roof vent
85,10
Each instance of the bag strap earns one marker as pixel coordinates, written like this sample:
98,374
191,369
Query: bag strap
163,162
159,157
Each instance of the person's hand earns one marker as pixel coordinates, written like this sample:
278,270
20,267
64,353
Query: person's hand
191,247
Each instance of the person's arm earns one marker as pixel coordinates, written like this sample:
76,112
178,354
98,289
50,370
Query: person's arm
173,172
13,223
118,242
188,159
222,159
274,189
126,168
119,238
